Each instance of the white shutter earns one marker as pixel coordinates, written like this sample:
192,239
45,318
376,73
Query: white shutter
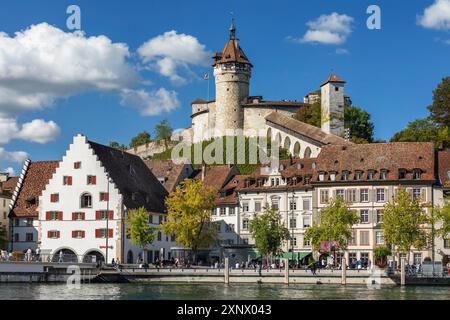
423,194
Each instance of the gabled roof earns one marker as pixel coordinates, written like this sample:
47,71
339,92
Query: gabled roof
304,129
444,168
332,78
7,187
217,176
378,156
34,182
232,52
228,194
166,169
131,176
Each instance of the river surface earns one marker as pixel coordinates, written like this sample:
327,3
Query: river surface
217,292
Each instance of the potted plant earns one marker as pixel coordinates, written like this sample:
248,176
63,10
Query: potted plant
380,254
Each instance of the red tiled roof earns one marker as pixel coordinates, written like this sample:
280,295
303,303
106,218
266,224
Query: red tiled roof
378,156
10,184
332,78
228,194
232,52
304,129
165,169
36,178
444,168
217,176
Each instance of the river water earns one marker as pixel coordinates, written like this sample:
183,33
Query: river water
217,291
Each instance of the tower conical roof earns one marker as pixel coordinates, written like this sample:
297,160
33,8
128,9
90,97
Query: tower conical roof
333,78
232,52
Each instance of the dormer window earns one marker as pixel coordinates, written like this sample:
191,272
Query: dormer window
321,176
223,194
332,176
383,174
417,173
30,202
370,175
345,175
402,174
358,175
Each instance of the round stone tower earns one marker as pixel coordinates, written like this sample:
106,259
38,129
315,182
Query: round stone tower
232,72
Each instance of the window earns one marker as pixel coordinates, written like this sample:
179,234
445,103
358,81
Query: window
245,223
103,215
364,256
159,236
245,207
229,228
29,237
16,237
402,174
293,204
383,175
417,174
294,242
332,176
380,215
351,258
306,242
53,234
17,222
257,206
272,182
53,215
91,180
321,176
78,234
78,216
364,238
358,175
223,211
340,193
447,243
379,237
231,211
364,216
416,193
306,204
213,212
67,180
292,223
381,195
275,204
103,233
345,175
160,219
364,195
417,258
172,238
86,200
29,222
245,241
351,195
306,222
54,197
104,196
323,196
77,165
370,174
336,88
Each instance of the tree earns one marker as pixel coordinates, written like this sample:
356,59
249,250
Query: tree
189,215
380,255
311,115
138,228
140,139
3,237
442,216
423,130
164,132
402,222
358,121
440,109
269,232
336,221
116,145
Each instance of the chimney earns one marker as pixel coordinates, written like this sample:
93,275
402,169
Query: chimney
4,176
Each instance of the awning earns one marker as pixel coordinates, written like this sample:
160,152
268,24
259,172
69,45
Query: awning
293,255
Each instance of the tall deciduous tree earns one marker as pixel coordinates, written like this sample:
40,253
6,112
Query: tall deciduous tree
116,145
403,222
442,220
163,132
140,139
269,232
189,215
440,109
138,229
336,221
423,130
311,115
358,121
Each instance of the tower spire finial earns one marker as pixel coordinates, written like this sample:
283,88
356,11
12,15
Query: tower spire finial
232,27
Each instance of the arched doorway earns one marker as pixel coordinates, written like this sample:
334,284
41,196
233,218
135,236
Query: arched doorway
65,255
297,149
93,256
307,153
287,143
130,257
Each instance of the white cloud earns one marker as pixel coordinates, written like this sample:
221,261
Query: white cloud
328,29
169,52
10,171
43,63
13,156
151,103
342,51
436,16
39,131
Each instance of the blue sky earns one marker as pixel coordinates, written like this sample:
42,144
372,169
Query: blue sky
389,72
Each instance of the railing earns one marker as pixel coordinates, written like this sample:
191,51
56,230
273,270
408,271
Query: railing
49,258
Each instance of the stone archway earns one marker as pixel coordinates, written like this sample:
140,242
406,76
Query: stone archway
65,255
93,256
287,143
307,153
297,149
